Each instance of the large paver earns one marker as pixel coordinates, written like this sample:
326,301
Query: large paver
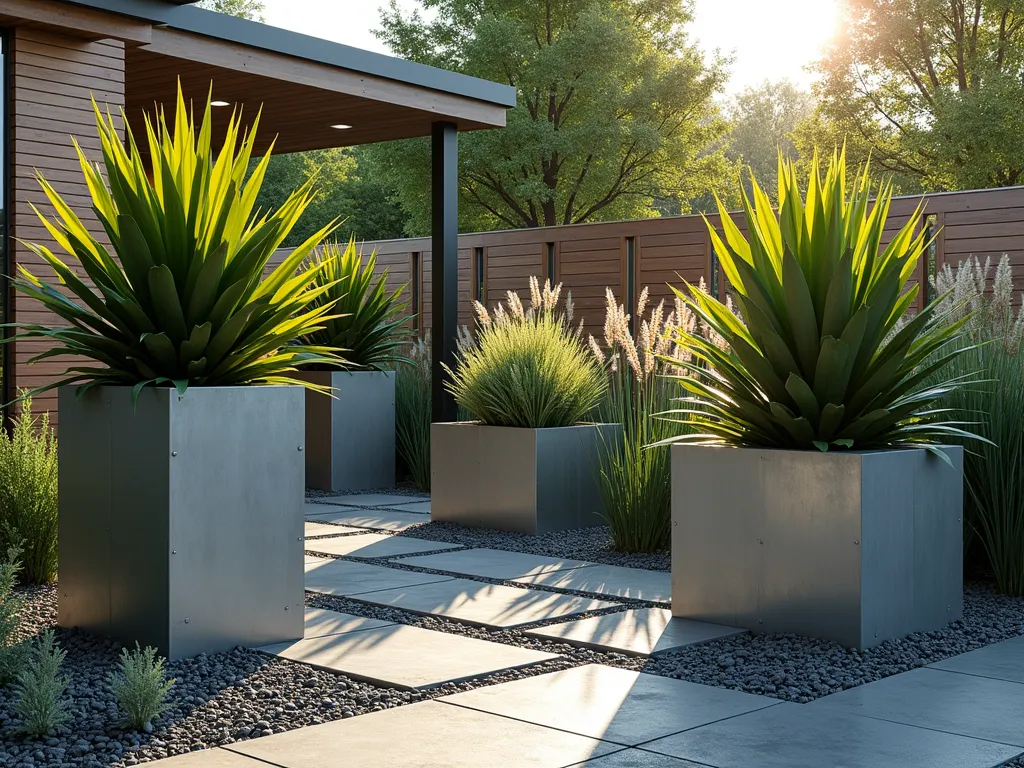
1002,661
381,519
370,499
346,578
494,563
802,736
319,529
637,758
406,656
641,631
420,507
609,703
967,705
610,581
425,735
320,623
313,508
475,602
370,545
210,758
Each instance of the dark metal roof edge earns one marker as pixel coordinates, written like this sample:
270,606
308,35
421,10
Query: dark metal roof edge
254,34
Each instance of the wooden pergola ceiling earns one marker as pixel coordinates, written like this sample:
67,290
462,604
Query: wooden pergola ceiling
301,100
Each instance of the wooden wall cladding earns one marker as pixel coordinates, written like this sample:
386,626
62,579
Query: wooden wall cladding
52,78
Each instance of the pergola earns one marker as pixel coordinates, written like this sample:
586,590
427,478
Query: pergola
313,94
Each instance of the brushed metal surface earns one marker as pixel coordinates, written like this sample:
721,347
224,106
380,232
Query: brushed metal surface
857,547
522,480
181,519
350,438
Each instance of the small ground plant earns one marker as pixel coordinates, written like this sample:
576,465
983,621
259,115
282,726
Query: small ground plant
42,704
140,687
412,411
28,494
14,652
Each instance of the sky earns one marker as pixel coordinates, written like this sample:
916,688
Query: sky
768,40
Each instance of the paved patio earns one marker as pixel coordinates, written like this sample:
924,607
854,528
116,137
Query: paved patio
959,713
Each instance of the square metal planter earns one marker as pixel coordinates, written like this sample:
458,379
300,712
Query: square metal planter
513,479
350,438
856,547
180,520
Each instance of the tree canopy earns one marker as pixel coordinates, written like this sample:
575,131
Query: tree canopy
616,108
246,9
932,88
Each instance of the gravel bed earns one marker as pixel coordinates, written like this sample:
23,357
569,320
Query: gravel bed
402,489
781,666
216,700
593,544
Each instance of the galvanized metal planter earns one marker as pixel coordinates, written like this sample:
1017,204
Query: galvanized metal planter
180,522
350,438
856,547
511,479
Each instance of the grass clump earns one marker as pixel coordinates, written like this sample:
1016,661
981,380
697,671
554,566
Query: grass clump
42,704
993,471
413,411
14,652
527,367
635,476
140,687
28,494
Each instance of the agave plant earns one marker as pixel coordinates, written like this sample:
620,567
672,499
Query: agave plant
826,357
185,301
368,319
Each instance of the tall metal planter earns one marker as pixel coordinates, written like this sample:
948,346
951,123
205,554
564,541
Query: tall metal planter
515,479
856,547
181,518
350,438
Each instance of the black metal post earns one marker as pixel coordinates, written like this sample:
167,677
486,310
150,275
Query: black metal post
444,262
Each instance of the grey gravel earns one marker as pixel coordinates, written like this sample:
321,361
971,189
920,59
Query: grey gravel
216,700
403,489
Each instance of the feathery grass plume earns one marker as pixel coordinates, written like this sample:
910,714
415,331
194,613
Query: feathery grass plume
368,326
413,411
993,471
140,687
182,299
28,494
527,366
812,367
14,652
41,703
635,474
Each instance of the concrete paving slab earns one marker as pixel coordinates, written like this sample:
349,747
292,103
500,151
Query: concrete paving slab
210,758
419,507
371,545
314,509
640,631
610,581
370,499
494,563
426,735
346,578
1002,661
492,605
638,758
802,736
609,703
320,623
967,705
380,519
408,657
319,529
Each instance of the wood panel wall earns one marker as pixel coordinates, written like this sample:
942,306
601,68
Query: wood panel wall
52,78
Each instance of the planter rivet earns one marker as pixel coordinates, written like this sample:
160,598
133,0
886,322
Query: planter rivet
760,541
876,634
857,541
760,621
174,551
300,447
186,621
174,453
